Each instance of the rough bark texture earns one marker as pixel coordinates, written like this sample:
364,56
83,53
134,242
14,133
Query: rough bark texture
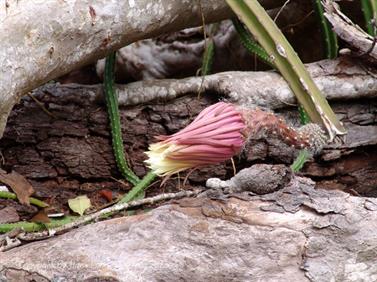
298,234
259,179
70,151
180,54
61,144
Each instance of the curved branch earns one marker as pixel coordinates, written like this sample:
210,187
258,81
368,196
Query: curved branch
40,40
338,79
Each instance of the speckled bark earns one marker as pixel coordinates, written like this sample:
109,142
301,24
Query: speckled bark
298,234
258,179
41,40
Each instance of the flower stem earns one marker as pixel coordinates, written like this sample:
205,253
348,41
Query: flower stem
138,188
300,161
114,116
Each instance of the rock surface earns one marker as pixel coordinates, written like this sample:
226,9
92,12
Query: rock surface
297,233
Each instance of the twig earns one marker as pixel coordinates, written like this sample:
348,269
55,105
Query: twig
40,104
208,51
281,9
367,52
360,42
2,159
10,243
300,21
203,21
105,212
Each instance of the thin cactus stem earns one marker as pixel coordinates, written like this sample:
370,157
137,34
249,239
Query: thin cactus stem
249,43
113,111
303,155
369,15
33,227
304,118
329,36
138,188
114,117
300,161
374,9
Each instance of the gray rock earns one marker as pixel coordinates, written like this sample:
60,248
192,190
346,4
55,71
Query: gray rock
316,235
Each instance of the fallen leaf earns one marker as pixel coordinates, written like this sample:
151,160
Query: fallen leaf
18,184
79,204
107,194
8,215
40,217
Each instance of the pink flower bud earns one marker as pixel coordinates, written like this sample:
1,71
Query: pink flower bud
213,137
218,133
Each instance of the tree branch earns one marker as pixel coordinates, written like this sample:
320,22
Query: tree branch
360,42
40,41
339,79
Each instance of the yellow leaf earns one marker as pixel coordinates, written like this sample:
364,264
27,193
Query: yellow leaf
79,204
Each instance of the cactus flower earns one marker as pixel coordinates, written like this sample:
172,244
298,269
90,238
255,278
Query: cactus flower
213,137
219,132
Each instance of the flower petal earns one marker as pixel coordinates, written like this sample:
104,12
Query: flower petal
215,135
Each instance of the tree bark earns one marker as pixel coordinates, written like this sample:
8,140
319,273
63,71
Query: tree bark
361,43
68,150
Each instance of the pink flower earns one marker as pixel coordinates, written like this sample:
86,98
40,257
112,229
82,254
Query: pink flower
213,137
